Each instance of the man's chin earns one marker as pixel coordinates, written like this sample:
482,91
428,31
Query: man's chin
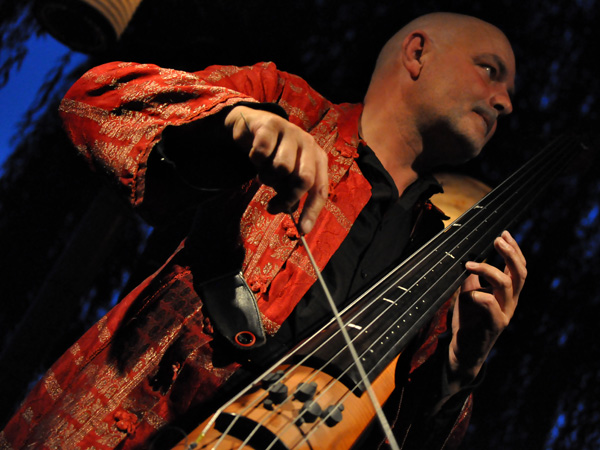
457,146
472,144
465,149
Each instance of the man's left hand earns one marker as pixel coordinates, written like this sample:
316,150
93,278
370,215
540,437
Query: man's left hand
480,315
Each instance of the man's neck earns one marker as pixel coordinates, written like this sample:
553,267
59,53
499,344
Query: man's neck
396,153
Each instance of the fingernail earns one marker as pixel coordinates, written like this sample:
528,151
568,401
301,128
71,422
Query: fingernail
307,225
471,265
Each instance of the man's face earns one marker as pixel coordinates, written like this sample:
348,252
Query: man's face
467,87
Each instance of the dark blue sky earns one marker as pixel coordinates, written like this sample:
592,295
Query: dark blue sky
22,88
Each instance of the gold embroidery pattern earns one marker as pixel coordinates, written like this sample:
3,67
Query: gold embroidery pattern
104,77
301,260
130,127
175,110
311,99
223,72
177,78
355,169
296,89
58,433
84,407
114,386
296,112
27,415
251,221
283,248
270,327
340,217
75,350
327,126
84,110
267,268
51,385
154,420
111,435
339,170
253,234
140,92
116,158
4,445
265,242
103,331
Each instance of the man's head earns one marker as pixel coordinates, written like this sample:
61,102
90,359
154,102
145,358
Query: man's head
441,83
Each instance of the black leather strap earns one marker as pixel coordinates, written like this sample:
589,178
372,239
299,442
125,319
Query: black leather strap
233,311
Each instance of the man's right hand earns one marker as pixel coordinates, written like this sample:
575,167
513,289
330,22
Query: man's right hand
286,157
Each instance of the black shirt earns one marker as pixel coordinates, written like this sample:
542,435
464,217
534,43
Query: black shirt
375,244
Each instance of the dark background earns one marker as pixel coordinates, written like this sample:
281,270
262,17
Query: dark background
67,246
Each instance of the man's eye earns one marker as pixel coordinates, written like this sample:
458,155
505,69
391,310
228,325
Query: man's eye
490,70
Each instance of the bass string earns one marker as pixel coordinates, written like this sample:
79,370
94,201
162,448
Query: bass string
443,243
523,174
556,163
381,417
375,402
322,369
259,400
509,212
537,169
399,299
287,374
447,235
387,430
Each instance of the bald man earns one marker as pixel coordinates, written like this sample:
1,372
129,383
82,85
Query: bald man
357,177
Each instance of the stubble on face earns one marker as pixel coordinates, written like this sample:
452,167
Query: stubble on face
460,115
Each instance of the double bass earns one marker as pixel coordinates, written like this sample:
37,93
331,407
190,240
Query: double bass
314,397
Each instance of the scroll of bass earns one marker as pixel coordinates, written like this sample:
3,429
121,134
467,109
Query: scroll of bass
297,407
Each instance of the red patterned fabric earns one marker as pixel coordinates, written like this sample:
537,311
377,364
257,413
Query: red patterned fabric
151,358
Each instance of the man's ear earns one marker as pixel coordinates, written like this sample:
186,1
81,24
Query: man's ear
413,47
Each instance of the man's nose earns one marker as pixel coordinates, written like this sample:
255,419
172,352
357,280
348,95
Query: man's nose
501,102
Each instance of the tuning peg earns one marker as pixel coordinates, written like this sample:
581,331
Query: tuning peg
333,415
278,392
271,378
305,391
311,411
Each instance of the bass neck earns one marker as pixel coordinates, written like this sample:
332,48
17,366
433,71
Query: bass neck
389,314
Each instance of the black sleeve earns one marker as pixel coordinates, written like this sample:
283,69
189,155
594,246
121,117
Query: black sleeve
192,163
419,425
204,154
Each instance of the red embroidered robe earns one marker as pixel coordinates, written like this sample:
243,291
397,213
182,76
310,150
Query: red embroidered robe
149,360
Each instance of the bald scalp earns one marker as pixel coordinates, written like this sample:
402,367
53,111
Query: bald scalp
442,28
436,82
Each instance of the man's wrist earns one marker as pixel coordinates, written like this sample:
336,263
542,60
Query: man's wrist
459,374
